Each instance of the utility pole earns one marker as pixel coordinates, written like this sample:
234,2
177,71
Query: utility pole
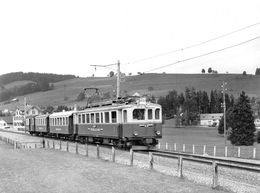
224,110
118,76
24,114
118,80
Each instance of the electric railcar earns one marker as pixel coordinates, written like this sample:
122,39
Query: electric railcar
121,124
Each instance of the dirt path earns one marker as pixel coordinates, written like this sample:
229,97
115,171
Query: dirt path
40,170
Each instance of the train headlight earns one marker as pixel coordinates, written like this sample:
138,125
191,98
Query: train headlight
158,132
135,133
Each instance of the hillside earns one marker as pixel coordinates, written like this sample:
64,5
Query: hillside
19,83
160,85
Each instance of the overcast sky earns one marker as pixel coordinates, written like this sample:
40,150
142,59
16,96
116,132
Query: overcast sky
66,37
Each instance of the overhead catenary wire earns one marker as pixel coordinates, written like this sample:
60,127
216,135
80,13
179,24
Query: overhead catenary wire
194,45
205,54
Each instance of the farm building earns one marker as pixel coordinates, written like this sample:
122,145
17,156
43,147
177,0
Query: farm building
19,115
5,122
210,119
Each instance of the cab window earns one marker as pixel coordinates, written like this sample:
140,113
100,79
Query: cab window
92,117
150,114
97,117
138,114
157,113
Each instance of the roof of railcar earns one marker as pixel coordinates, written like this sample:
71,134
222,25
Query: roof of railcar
42,116
62,114
119,106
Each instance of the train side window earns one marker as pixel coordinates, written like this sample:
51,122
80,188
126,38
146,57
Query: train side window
66,121
106,117
87,118
125,116
79,119
63,121
92,117
157,113
113,115
150,114
83,118
138,114
101,117
97,117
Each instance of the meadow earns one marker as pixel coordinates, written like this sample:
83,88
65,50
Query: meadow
200,136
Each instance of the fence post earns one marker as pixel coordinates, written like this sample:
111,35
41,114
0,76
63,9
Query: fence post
193,149
238,152
67,146
60,145
35,146
183,147
86,146
53,144
180,162
175,147
215,174
254,153
166,146
151,160
214,151
77,148
97,151
43,143
131,157
225,151
15,145
204,150
113,154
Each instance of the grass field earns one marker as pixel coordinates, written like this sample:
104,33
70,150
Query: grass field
200,136
44,171
161,84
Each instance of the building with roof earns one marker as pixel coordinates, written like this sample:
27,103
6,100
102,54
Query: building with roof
211,119
19,115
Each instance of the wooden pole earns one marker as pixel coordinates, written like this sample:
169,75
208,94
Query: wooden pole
77,148
97,151
131,157
60,145
86,146
254,153
214,151
215,174
151,160
225,151
204,150
183,147
193,149
175,147
113,154
67,146
180,163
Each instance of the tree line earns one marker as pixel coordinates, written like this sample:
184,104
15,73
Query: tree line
188,105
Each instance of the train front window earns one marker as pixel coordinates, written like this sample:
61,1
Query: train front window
83,118
106,117
138,114
157,113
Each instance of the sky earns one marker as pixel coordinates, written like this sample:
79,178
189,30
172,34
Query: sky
67,37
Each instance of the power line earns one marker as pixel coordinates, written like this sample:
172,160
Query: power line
194,45
202,55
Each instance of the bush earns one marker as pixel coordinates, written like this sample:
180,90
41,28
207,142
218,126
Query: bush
258,137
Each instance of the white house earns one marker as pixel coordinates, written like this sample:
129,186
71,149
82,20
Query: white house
257,122
211,119
19,115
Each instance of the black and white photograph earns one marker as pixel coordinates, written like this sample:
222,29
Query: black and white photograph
129,96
